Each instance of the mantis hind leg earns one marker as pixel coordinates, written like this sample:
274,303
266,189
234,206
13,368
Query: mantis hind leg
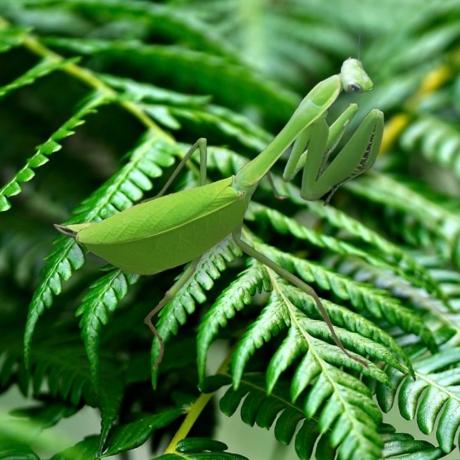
296,281
169,295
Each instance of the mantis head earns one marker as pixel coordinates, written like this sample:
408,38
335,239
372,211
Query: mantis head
353,77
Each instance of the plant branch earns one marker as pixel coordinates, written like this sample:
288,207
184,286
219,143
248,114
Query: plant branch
85,75
194,411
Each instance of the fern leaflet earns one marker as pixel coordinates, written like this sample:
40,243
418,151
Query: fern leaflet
52,145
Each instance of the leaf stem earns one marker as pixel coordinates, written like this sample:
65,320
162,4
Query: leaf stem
194,411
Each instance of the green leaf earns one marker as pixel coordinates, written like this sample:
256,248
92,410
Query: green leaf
11,37
232,300
340,401
200,449
16,452
134,434
84,450
425,222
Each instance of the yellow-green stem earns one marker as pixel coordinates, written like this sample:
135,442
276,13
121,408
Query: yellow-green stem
86,76
194,411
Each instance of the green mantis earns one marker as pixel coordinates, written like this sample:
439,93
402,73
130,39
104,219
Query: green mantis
175,229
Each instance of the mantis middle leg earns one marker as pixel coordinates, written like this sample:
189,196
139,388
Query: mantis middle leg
296,281
170,294
200,144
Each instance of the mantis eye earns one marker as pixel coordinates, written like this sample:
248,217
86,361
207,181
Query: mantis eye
353,88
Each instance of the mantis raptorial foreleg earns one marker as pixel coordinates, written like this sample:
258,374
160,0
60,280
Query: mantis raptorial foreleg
321,175
169,295
296,281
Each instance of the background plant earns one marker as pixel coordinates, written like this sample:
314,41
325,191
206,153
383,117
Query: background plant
100,99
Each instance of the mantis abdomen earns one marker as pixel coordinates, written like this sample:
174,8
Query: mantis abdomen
166,232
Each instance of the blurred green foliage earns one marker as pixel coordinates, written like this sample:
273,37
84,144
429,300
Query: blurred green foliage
99,100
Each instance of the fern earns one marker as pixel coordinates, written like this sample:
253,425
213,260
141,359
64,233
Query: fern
173,315
119,192
201,66
438,140
399,261
438,223
432,395
101,300
43,68
52,145
68,376
404,446
383,255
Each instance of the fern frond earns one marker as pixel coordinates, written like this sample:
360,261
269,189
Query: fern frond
62,366
169,23
233,299
398,287
146,162
363,297
289,308
266,410
347,407
96,307
174,314
11,37
228,162
230,123
197,70
287,41
52,145
439,224
285,225
43,68
439,141
432,398
402,446
323,430
147,92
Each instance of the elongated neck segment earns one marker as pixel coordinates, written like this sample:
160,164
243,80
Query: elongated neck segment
313,106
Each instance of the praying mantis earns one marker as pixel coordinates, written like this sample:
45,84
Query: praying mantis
176,229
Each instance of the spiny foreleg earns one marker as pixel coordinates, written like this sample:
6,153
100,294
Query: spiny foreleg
356,157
